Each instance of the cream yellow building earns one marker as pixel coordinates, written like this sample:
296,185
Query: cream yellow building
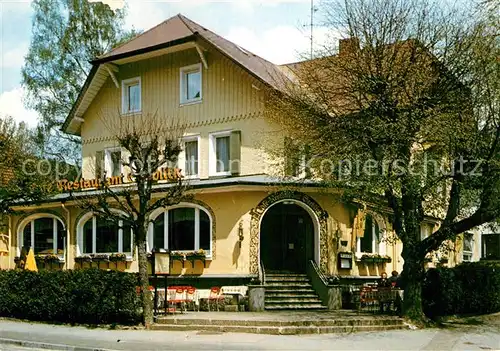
247,218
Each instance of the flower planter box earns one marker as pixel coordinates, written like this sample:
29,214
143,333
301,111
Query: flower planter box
83,259
188,257
118,257
375,259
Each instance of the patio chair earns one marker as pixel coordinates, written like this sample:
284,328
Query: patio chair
191,298
176,296
214,297
368,297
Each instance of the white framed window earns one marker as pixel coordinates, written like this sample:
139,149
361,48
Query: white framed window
44,233
189,157
467,247
99,236
113,162
490,246
131,95
185,227
370,242
190,84
220,154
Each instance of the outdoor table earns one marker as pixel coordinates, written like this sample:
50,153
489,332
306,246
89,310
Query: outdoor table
235,291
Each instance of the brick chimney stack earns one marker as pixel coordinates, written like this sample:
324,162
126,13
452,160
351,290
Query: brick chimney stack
348,45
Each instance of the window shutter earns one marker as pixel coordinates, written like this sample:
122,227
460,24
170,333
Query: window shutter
99,164
235,152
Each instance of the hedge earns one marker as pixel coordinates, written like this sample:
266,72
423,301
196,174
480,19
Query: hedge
469,288
84,296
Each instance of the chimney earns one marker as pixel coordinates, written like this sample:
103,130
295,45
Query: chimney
348,45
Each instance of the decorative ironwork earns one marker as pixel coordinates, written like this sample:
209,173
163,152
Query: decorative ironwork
260,209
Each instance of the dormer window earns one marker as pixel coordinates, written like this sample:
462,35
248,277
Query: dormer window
131,95
191,84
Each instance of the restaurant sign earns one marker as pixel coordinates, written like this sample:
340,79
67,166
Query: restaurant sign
163,174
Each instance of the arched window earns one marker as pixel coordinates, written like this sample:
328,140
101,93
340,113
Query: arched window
44,234
370,242
98,235
182,228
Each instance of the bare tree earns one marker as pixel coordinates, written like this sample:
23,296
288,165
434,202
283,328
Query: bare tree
150,146
405,109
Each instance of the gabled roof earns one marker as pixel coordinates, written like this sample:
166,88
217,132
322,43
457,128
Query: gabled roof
174,31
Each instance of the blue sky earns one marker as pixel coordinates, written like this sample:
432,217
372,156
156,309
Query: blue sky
273,29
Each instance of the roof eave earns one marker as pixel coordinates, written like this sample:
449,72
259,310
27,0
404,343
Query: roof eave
71,114
144,50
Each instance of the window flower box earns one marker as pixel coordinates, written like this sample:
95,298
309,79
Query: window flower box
49,258
82,259
191,256
118,257
100,258
375,258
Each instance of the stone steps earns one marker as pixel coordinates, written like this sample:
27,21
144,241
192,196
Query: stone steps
299,320
281,295
294,299
294,306
290,291
277,328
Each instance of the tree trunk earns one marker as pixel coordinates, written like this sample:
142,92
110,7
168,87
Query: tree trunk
147,302
413,274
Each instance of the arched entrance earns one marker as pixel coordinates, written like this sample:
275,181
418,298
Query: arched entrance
286,237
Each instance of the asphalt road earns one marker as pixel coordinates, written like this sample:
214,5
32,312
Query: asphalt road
456,337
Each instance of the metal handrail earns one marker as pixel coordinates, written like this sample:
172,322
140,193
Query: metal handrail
262,273
318,271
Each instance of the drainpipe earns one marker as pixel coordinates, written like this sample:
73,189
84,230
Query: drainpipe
66,253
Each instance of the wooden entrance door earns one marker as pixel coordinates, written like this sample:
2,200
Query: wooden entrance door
286,238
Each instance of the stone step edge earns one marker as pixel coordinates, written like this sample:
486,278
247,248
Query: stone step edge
309,300
275,330
281,323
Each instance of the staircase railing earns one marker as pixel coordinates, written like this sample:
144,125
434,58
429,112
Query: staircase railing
262,274
319,283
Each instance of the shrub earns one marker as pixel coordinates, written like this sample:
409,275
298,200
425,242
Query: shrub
469,288
73,296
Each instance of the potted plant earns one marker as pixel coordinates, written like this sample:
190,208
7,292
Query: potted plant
177,255
118,257
375,258
198,254
100,257
83,258
51,258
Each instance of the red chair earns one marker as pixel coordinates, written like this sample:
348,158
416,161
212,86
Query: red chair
191,298
214,297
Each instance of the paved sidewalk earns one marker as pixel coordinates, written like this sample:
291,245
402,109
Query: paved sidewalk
81,338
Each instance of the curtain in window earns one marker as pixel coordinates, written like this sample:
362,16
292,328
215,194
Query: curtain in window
134,97
193,86
87,237
222,154
204,231
159,232
367,239
127,239
27,236
116,160
191,151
